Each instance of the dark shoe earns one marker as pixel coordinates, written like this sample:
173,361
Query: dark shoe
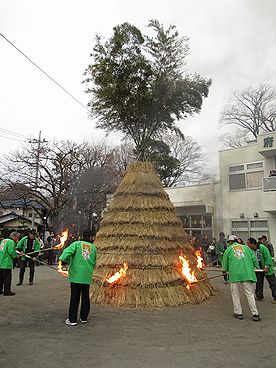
274,301
19,283
30,283
238,316
259,299
10,293
1,292
256,317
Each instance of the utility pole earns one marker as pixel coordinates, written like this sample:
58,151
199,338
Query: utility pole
38,141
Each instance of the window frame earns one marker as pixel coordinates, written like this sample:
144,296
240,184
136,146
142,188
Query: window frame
246,171
201,228
250,229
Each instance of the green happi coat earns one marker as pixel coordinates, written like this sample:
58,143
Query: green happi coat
266,259
219,249
7,253
240,261
81,256
22,245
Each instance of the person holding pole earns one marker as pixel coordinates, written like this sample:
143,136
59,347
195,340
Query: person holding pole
81,256
220,248
240,263
266,264
7,255
28,245
268,245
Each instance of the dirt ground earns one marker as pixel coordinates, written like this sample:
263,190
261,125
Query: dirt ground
33,333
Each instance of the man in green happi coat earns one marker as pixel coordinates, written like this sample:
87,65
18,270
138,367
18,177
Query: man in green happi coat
81,256
240,263
266,264
7,255
28,245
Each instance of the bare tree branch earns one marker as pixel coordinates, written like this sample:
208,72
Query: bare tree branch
252,109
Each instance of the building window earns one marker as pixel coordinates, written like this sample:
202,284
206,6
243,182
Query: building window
197,225
196,221
243,224
246,176
237,181
256,224
247,228
186,221
236,168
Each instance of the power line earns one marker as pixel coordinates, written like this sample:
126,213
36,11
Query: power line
47,75
14,139
6,131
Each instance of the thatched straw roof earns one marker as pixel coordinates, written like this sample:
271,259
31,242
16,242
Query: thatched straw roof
140,227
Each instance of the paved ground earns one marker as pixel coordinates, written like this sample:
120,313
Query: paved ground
33,333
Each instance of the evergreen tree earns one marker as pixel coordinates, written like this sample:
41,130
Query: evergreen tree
138,83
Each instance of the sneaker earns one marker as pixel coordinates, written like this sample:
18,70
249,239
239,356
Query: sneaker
274,301
238,316
81,321
69,323
19,283
10,293
256,317
30,283
259,299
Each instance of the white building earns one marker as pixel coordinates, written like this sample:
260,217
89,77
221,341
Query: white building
242,202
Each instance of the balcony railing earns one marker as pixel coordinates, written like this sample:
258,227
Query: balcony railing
269,183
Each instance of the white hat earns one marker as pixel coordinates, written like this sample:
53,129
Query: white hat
232,238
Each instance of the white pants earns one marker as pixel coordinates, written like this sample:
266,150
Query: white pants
248,288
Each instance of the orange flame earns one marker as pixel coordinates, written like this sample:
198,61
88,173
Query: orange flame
118,274
60,270
186,271
200,263
62,239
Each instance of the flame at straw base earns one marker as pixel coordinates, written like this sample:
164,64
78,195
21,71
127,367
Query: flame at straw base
63,238
60,270
186,271
122,273
200,263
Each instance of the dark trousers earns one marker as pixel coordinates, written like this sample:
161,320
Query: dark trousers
77,291
225,276
24,263
5,280
213,258
50,257
260,285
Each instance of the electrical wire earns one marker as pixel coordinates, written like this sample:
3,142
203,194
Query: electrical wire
6,131
47,75
14,139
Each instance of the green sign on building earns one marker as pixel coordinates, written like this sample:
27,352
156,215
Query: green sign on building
268,142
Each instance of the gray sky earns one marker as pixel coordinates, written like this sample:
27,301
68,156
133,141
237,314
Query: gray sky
231,41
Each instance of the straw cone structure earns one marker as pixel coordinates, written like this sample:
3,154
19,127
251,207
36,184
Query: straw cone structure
140,227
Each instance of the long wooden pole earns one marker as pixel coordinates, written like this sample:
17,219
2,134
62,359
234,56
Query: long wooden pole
209,278
45,264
